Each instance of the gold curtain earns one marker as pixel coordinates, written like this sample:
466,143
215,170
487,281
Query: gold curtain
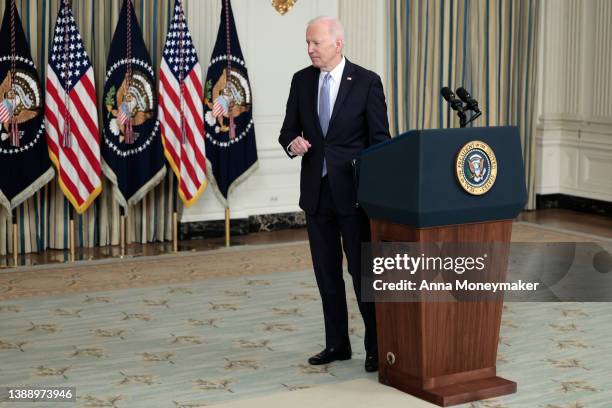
43,219
487,46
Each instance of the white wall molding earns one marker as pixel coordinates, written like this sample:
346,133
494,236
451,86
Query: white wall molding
574,133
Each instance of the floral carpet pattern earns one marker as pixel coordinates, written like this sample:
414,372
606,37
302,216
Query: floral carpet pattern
197,342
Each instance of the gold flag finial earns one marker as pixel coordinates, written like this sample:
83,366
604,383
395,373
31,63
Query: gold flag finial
283,6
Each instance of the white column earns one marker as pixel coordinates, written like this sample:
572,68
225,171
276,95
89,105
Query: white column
601,70
562,30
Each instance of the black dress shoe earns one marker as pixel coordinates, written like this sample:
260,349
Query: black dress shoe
371,363
331,354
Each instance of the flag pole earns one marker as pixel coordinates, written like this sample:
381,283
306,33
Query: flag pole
122,232
15,236
227,226
232,127
71,236
174,232
175,216
144,220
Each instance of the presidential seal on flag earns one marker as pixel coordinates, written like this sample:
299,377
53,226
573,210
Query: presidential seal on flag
24,162
20,102
130,105
230,132
131,149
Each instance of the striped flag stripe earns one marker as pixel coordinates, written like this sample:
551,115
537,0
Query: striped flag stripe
79,176
87,142
177,147
82,99
174,112
170,114
191,140
86,172
197,117
93,168
173,144
66,175
188,164
173,131
189,185
196,107
192,89
186,151
86,105
67,172
186,193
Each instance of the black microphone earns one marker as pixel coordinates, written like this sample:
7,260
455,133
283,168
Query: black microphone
471,103
455,103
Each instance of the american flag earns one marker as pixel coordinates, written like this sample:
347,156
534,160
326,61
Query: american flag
6,111
220,107
181,111
122,116
71,118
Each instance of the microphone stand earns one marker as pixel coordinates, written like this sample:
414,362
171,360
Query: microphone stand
462,120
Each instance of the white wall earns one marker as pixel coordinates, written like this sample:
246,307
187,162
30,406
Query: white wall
574,135
274,47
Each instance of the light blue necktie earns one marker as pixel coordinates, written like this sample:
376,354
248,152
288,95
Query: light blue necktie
324,113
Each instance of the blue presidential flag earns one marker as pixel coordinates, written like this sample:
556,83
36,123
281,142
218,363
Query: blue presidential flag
131,150
24,162
230,134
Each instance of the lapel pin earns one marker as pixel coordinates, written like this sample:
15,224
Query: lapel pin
348,78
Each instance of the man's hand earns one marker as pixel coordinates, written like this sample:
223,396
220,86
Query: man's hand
299,146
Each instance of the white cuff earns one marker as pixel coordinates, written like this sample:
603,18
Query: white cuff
289,149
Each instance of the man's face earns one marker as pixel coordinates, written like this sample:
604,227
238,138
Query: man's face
322,49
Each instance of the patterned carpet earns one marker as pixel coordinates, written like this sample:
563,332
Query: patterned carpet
186,267
204,328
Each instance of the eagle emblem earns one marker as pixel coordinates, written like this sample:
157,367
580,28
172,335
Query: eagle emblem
230,95
476,167
20,101
475,163
130,105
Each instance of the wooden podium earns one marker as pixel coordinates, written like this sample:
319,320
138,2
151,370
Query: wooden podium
442,352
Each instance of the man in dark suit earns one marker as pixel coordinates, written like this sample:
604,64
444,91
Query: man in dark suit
335,110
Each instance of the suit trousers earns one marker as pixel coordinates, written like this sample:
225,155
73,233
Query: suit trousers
328,233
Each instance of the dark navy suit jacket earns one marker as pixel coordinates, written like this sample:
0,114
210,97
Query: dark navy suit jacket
358,120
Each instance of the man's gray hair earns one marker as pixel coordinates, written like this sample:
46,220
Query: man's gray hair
335,26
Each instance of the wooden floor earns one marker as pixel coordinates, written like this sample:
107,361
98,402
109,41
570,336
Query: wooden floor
562,219
571,220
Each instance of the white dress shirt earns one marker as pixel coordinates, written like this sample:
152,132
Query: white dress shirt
334,83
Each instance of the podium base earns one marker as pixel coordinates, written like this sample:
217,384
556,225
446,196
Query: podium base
461,393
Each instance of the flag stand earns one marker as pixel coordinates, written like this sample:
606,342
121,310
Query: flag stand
15,235
227,226
71,236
